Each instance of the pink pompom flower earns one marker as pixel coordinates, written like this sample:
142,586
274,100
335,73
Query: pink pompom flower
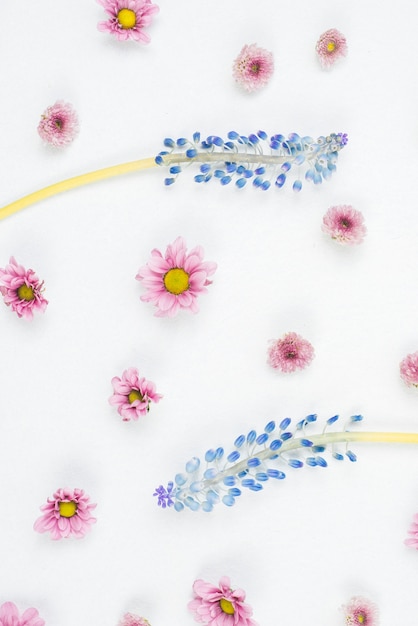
129,619
360,611
21,289
412,540
128,18
133,394
331,46
253,67
220,606
67,513
344,224
409,369
174,281
9,616
290,352
59,124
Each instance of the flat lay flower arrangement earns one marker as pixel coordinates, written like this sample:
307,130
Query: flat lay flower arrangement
209,399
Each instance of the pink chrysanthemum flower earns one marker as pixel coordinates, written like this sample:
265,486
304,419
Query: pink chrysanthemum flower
67,513
9,616
409,369
128,18
175,280
253,67
59,124
331,46
132,395
412,541
290,352
220,606
344,224
360,612
129,619
21,289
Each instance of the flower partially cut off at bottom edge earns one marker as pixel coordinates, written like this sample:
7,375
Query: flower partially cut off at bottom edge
290,352
9,616
129,619
220,606
360,611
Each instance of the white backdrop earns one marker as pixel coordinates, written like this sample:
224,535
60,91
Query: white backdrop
304,546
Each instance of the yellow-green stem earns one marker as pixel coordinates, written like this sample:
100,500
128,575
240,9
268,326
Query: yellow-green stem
76,181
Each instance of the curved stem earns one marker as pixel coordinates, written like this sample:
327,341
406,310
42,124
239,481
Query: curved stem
76,181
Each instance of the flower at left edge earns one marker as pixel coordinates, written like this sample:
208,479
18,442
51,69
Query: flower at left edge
22,290
9,616
360,611
128,18
67,513
220,605
59,124
132,394
175,280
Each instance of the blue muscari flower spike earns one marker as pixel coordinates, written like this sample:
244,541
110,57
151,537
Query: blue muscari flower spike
258,457
267,160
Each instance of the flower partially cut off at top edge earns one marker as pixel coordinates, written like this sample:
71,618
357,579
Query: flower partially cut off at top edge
360,612
128,18
21,289
331,46
133,394
344,224
409,369
220,606
290,352
129,619
59,124
412,541
174,281
9,616
253,67
67,513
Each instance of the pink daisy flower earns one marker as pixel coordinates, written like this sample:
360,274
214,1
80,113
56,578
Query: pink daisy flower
67,513
413,532
59,124
132,395
344,224
409,369
22,290
129,619
128,18
360,612
331,46
220,606
290,352
9,616
253,67
174,281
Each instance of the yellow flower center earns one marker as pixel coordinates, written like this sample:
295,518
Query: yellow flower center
135,395
25,293
255,68
361,618
227,606
67,509
331,46
127,18
176,281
